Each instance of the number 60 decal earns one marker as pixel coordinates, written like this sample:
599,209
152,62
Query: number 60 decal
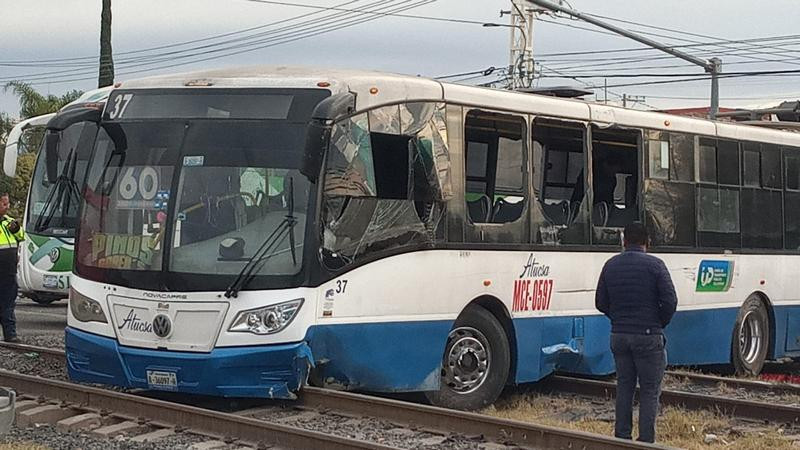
146,185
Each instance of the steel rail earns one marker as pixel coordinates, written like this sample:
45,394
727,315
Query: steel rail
499,430
46,352
411,414
726,405
179,415
738,383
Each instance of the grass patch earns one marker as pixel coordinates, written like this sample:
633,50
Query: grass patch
676,427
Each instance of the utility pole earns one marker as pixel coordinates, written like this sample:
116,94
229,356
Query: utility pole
106,76
712,66
520,61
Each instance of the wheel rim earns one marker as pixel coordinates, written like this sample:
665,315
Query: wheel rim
467,360
750,337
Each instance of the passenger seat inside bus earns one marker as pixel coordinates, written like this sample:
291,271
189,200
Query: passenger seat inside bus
480,210
505,211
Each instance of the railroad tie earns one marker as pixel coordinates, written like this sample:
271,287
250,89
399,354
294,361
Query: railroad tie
208,445
153,435
110,431
43,414
25,405
80,422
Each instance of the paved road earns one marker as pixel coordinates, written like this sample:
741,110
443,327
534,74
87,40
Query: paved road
41,324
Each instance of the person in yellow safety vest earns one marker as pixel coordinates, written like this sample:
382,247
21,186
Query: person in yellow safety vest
11,235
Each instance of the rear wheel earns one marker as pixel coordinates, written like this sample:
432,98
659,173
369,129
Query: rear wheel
475,364
750,337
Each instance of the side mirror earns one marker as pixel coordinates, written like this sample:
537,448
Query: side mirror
59,123
317,136
319,130
51,140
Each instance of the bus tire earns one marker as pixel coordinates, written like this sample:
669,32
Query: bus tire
42,299
750,337
475,364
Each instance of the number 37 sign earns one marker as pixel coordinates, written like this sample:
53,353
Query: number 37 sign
143,187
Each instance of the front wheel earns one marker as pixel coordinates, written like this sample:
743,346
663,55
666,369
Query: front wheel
475,364
42,299
750,338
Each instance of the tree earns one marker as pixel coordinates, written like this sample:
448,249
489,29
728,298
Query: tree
33,103
106,77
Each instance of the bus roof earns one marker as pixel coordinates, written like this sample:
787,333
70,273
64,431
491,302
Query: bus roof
377,88
12,140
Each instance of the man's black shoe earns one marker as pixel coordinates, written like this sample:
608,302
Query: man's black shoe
14,340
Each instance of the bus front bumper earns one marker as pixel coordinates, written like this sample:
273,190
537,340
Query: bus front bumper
269,371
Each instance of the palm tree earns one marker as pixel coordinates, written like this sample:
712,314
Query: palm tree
106,77
32,103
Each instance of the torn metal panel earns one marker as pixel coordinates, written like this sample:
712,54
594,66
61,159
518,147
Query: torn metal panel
415,116
385,120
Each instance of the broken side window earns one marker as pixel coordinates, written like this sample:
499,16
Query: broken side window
559,177
615,181
495,167
386,180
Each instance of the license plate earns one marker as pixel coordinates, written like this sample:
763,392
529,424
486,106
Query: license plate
162,380
50,281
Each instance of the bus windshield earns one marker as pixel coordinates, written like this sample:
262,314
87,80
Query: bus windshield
195,197
53,204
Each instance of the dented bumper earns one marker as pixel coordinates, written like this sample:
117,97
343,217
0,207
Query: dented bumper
269,371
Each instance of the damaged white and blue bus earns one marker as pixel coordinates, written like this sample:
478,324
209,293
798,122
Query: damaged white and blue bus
244,232
51,214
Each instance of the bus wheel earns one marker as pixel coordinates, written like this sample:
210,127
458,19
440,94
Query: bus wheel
750,337
475,364
42,299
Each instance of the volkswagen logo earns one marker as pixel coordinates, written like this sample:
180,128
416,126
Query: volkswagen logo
54,254
162,325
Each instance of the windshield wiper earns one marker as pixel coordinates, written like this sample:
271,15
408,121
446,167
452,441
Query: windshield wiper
268,248
63,185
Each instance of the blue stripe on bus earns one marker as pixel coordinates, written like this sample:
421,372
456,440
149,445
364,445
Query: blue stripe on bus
273,371
385,357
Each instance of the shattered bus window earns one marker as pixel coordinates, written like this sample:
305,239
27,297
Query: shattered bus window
349,170
670,213
415,116
385,120
407,178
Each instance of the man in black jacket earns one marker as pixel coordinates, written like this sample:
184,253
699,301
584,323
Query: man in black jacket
636,292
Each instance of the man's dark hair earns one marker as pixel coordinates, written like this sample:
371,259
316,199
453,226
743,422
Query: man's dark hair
4,194
635,234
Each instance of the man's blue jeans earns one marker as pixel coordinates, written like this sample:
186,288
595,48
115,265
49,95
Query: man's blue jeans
8,299
639,357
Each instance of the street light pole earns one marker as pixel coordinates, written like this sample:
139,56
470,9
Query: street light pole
712,66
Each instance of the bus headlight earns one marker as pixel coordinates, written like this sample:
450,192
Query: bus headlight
267,320
85,309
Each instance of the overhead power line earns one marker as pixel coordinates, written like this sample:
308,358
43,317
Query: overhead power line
290,34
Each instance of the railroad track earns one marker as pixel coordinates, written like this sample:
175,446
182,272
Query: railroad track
737,407
54,354
258,427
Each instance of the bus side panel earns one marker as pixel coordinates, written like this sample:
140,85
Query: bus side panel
701,336
380,357
787,331
570,344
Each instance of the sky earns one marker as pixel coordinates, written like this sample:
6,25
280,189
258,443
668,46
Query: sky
33,33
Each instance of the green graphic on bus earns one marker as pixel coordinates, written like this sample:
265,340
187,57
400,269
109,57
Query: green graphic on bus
714,276
50,254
